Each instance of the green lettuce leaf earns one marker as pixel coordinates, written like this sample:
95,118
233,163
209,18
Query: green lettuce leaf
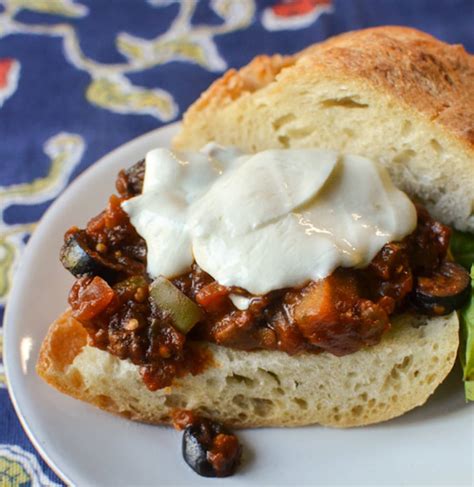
462,249
467,343
469,390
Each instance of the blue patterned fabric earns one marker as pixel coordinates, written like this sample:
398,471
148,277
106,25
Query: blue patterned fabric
80,77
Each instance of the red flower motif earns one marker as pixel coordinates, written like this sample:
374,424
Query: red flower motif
9,74
290,8
5,69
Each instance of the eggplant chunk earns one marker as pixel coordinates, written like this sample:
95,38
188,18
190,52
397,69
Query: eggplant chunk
445,290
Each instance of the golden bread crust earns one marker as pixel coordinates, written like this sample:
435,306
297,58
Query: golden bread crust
432,77
261,71
65,339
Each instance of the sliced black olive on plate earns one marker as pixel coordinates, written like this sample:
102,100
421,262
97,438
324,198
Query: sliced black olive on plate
444,290
210,449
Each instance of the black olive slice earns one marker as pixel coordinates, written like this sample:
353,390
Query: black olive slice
80,260
135,176
210,449
444,290
77,258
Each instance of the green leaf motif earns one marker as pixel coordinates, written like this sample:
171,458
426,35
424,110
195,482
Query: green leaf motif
131,47
13,474
21,468
66,8
3,379
65,151
194,48
182,49
119,95
238,14
7,257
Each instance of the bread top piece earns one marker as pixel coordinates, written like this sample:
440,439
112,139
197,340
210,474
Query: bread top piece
426,74
391,93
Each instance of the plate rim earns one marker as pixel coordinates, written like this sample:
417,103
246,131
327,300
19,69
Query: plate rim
12,362
8,314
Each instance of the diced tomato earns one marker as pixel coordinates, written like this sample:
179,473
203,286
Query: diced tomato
111,217
182,418
96,224
114,214
319,302
88,298
331,315
387,303
212,297
233,327
225,449
288,335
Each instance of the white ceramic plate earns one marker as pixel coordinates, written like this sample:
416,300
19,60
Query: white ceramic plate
85,446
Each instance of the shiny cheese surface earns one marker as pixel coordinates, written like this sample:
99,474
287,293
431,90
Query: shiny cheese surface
266,221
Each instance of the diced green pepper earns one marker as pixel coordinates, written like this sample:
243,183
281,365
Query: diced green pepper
131,283
184,312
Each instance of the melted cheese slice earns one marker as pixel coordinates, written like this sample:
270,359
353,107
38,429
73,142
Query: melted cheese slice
266,221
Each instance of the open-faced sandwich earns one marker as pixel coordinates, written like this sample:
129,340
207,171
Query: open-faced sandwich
288,263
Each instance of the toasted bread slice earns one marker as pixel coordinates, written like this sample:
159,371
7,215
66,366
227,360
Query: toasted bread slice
265,388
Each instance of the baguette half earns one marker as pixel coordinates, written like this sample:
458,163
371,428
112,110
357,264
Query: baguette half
265,388
393,94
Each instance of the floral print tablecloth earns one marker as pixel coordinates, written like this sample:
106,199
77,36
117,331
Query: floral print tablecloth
80,77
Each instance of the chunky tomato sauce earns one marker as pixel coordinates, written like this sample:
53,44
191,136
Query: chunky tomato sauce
340,314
